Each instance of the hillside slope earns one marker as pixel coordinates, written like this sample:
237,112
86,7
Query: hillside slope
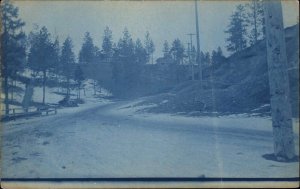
240,84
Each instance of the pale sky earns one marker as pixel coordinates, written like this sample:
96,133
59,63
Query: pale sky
165,20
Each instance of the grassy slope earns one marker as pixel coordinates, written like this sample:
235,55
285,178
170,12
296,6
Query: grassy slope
239,84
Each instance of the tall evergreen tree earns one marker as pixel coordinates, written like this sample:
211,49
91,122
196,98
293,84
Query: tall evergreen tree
177,50
193,54
237,31
149,45
166,49
126,47
42,55
140,52
87,52
207,58
56,57
202,58
107,43
79,78
67,61
217,56
12,46
255,20
124,66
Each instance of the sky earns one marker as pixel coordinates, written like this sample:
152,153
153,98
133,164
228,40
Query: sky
165,20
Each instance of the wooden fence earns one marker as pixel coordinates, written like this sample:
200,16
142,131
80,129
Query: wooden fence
15,113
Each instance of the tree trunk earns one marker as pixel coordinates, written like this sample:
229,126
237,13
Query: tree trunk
68,87
44,85
6,92
284,147
94,87
79,93
27,98
12,90
152,58
255,21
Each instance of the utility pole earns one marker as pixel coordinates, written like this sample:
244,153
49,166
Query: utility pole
198,60
191,62
191,38
189,55
284,146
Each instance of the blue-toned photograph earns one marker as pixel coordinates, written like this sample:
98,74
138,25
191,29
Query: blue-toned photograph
194,93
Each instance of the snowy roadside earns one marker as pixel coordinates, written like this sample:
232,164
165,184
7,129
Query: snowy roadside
90,101
117,141
102,138
234,121
13,126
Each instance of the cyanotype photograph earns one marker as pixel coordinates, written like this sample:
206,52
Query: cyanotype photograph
109,94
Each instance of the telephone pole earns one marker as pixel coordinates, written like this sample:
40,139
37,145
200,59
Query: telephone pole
198,60
283,136
191,38
189,53
190,50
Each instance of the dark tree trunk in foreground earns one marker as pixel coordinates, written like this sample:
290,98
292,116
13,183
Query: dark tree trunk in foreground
6,94
44,85
27,98
284,147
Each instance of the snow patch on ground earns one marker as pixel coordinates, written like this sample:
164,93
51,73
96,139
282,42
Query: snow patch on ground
117,139
244,120
90,101
50,95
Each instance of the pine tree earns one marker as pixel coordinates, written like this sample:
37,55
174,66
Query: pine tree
67,61
255,20
79,78
193,54
124,66
87,52
237,31
202,57
177,50
217,56
42,55
140,52
12,46
207,58
166,49
56,57
125,48
149,45
107,43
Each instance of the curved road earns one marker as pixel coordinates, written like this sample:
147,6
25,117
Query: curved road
105,142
